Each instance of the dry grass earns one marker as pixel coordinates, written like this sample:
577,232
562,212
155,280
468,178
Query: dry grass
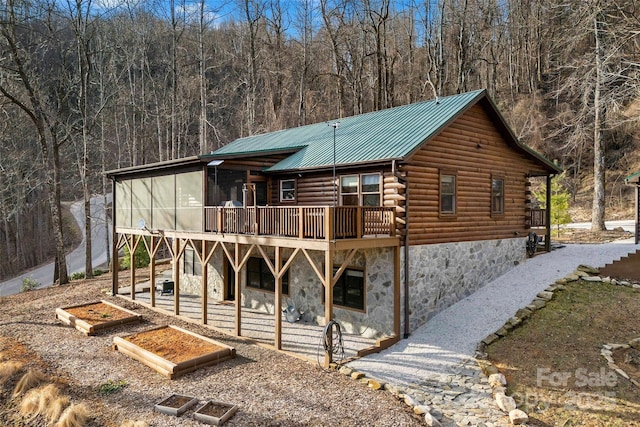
55,409
31,379
75,415
8,370
129,423
37,401
553,364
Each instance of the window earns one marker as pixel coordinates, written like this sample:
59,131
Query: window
259,276
360,190
191,262
349,289
497,195
447,194
287,190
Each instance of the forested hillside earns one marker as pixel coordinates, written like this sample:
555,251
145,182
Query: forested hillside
90,86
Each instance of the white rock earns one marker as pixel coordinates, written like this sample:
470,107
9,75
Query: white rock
592,279
506,403
421,409
410,401
496,380
518,417
431,420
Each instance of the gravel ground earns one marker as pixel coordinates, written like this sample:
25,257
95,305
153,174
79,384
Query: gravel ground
448,341
270,388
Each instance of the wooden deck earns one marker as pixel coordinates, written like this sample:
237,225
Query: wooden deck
303,222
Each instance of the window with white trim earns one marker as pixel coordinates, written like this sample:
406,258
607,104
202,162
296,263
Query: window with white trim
361,190
287,190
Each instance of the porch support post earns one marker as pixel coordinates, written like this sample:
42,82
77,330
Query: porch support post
637,228
238,299
177,253
114,242
205,280
396,291
152,270
547,241
328,302
278,299
132,266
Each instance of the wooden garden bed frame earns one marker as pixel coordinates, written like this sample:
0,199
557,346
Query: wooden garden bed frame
170,369
89,328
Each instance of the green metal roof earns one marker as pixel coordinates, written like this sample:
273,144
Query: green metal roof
378,136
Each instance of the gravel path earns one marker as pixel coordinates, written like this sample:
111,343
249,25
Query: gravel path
442,350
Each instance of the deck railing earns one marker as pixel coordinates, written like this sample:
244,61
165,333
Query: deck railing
304,222
538,218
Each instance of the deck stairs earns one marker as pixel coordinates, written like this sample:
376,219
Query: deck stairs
626,268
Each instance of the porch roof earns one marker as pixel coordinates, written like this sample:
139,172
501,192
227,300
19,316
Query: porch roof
385,135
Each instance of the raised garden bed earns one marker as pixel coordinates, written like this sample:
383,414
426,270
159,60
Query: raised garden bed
173,351
176,404
215,413
96,316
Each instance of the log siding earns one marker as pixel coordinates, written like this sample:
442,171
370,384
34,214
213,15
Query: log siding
472,148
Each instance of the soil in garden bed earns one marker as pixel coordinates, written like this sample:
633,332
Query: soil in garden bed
176,401
172,345
97,313
214,409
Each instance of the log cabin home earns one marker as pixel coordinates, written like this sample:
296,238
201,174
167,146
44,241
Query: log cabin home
378,221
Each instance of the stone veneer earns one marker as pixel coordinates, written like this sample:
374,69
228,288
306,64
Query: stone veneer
439,276
443,274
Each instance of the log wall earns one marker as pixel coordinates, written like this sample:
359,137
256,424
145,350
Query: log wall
473,148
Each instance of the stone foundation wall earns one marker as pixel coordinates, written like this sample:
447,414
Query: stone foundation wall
190,284
443,274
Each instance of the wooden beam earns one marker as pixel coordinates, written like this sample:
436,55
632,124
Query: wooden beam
238,297
205,284
176,275
278,299
152,270
328,302
396,291
313,265
547,240
343,266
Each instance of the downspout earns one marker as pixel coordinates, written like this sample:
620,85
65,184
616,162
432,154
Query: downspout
406,253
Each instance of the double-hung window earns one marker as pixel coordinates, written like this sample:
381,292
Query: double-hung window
448,193
497,196
361,190
287,190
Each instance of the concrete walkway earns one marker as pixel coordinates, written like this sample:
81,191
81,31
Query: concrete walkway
438,356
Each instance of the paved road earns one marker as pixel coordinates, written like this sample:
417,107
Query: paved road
75,260
626,224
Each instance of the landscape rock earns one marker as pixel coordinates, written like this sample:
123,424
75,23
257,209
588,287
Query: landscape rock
421,409
357,375
545,295
592,279
375,384
588,269
490,338
497,380
506,403
431,421
410,401
635,343
518,417
571,277
345,370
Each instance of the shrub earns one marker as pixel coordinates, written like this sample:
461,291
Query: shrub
78,275
111,387
142,257
98,272
29,284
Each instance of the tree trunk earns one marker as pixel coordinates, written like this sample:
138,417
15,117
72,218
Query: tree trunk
597,212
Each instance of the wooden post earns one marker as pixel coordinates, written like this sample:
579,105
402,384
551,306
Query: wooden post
329,212
115,265
152,270
176,276
132,266
359,222
300,223
328,302
637,233
278,299
396,291
238,297
547,240
205,284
